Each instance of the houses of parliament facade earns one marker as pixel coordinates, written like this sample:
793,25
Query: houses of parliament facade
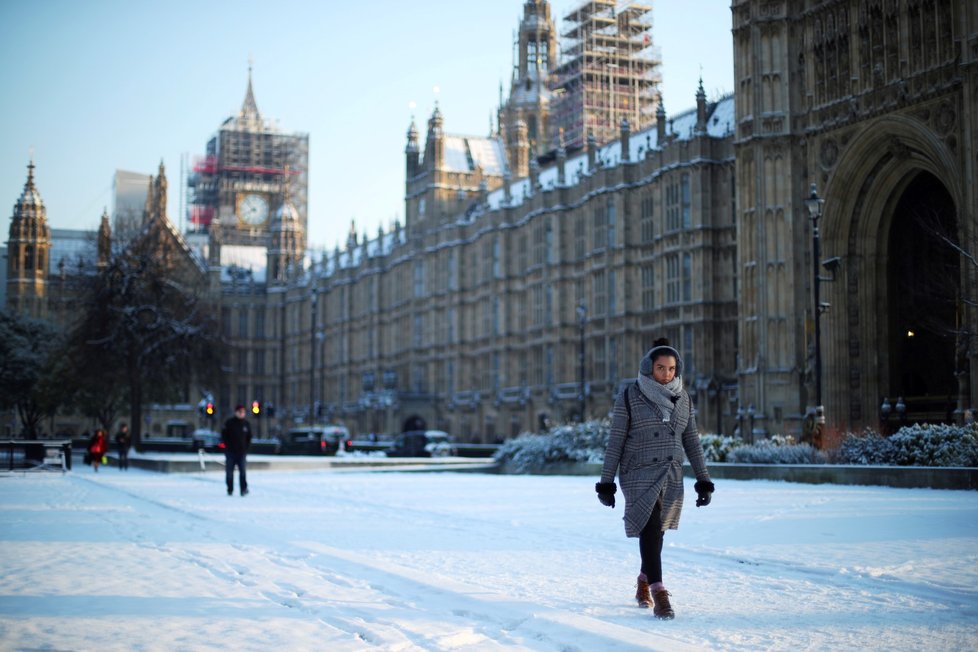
531,273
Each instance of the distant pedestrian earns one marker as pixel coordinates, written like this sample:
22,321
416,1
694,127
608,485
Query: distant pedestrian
236,437
123,440
97,446
653,425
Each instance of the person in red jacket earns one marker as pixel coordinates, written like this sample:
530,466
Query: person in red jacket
97,447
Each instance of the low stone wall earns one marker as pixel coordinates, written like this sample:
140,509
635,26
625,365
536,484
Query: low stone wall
931,477
194,463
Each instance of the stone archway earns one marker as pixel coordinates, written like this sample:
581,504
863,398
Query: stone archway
923,283
889,171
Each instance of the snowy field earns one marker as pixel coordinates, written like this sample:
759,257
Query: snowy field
358,560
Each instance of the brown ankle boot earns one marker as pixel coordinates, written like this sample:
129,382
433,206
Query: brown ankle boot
662,609
642,594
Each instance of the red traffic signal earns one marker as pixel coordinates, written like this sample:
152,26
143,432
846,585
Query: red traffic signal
209,410
256,408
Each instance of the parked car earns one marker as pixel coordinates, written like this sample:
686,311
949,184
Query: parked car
422,443
409,444
313,440
209,440
439,444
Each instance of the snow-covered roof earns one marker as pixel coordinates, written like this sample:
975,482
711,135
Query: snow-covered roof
248,258
465,153
718,125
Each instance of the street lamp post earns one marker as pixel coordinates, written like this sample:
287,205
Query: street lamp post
814,204
312,356
582,396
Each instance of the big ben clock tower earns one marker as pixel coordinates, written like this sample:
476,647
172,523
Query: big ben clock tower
249,167
252,210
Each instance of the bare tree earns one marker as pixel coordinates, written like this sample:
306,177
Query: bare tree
146,326
28,380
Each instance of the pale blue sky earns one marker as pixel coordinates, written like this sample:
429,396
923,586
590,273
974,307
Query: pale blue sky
102,85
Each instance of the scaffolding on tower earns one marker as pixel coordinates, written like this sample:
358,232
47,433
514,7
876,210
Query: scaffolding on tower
609,71
247,157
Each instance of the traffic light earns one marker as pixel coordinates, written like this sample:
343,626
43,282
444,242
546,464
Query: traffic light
209,409
256,408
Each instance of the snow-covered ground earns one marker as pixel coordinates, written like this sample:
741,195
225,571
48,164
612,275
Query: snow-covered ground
353,560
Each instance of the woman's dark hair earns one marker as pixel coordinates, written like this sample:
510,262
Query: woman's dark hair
662,341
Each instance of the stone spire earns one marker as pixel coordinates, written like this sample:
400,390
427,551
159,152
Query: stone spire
156,197
700,108
660,123
28,248
412,152
434,153
286,236
249,108
104,240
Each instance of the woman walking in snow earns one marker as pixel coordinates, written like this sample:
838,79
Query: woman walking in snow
652,426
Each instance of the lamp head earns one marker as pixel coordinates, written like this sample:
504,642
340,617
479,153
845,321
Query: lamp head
814,204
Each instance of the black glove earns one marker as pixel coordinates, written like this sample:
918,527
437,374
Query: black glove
606,493
704,492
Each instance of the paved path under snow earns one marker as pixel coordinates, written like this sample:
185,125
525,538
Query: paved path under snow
316,560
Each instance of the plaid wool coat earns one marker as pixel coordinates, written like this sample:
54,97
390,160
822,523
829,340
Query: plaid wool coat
647,454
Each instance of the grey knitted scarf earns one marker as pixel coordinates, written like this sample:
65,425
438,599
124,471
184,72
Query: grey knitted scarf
664,396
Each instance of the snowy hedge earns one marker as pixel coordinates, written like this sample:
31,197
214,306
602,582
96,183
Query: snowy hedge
779,449
916,445
717,448
578,442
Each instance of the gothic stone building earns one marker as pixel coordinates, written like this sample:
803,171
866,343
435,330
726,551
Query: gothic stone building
476,312
873,102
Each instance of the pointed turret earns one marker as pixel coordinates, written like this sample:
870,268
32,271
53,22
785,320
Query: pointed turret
286,240
530,95
625,130
249,108
155,209
412,153
660,123
28,247
520,152
434,149
561,157
700,108
104,240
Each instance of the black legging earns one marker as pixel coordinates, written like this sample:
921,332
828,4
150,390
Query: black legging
650,545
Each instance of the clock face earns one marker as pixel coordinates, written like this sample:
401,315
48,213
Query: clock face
253,209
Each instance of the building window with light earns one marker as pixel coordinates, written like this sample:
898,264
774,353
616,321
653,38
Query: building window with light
687,277
418,278
685,201
580,238
648,288
672,207
673,279
599,226
600,289
243,322
259,322
539,244
645,219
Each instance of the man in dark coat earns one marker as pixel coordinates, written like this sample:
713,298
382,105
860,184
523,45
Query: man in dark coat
123,440
236,437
